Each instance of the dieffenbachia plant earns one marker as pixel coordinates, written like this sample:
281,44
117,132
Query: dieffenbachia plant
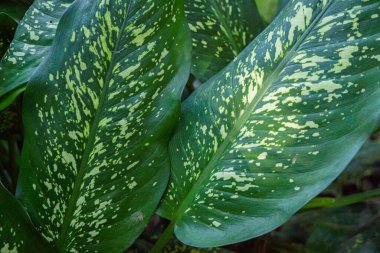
220,31
17,233
31,44
253,145
98,113
275,127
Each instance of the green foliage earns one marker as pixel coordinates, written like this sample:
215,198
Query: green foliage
17,233
108,101
6,32
278,125
220,31
337,230
268,9
30,46
279,115
13,9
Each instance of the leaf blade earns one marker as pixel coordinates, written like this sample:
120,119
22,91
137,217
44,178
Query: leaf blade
250,160
108,101
220,31
17,233
32,41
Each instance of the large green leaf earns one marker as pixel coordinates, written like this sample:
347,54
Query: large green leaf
220,31
17,233
275,127
31,44
99,112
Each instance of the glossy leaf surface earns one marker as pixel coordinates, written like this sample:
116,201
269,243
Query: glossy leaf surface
220,31
17,233
99,113
31,44
274,128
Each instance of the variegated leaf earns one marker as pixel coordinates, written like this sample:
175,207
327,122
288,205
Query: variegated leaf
272,130
30,45
220,30
99,113
17,233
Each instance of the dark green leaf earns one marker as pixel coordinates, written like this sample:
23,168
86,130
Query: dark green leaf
13,9
8,27
364,167
99,112
30,46
278,125
220,30
9,119
17,233
350,229
175,246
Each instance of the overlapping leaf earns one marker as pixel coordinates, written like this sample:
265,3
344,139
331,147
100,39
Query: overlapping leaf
13,9
8,27
99,112
274,128
220,31
30,46
17,233
269,8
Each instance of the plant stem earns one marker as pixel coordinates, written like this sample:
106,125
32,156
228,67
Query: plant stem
341,201
164,238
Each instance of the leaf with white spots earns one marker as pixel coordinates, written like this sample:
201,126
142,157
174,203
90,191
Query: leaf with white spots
220,31
99,112
31,44
17,233
274,128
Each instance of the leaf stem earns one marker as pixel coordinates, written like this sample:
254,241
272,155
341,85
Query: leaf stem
164,238
326,202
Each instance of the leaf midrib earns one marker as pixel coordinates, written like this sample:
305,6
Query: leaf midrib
205,174
91,140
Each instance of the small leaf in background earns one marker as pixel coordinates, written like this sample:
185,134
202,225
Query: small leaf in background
268,9
220,30
8,28
30,46
336,230
10,121
13,9
362,174
278,125
17,233
98,114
